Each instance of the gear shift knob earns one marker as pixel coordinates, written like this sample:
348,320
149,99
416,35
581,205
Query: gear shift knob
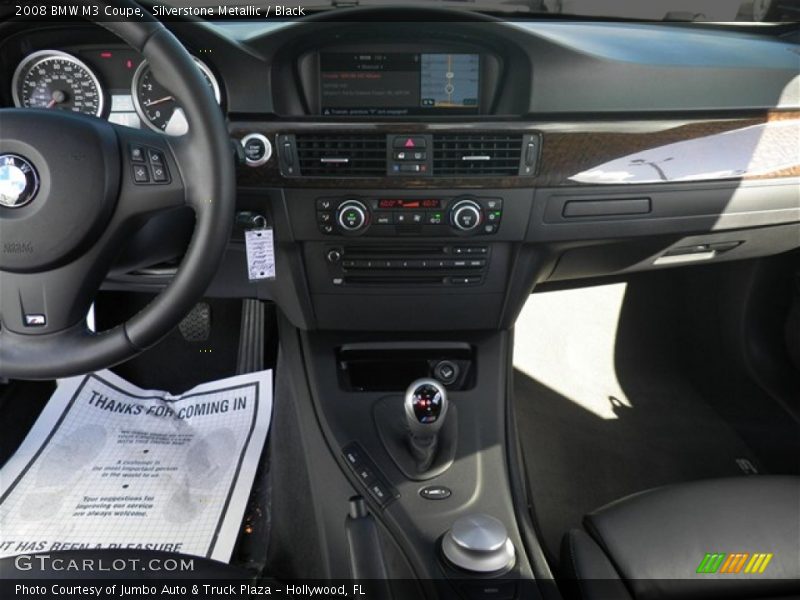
426,407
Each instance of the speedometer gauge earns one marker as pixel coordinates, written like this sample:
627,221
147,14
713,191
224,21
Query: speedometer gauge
57,80
157,107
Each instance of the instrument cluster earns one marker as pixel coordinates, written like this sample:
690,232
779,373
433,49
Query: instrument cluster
113,83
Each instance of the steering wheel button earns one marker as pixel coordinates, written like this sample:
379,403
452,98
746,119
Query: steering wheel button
141,174
160,174
137,154
155,157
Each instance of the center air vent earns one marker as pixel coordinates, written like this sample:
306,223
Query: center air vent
476,154
342,155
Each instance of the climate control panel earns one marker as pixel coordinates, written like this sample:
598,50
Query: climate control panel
393,216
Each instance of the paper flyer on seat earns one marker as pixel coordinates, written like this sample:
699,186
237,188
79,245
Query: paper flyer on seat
109,465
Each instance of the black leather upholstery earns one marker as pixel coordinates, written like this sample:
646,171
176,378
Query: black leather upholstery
651,544
104,564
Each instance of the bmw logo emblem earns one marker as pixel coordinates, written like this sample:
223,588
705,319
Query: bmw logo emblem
19,181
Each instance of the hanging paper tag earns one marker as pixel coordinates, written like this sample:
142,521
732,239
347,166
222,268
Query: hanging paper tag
260,249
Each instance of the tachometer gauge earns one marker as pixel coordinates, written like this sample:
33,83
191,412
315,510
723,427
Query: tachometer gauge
57,80
157,107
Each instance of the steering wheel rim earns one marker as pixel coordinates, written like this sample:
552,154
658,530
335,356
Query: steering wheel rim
201,176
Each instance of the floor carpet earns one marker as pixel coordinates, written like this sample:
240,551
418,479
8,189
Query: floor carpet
605,406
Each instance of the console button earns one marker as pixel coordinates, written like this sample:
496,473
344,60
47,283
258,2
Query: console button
352,215
435,492
493,216
324,216
351,218
366,471
383,218
365,474
492,203
379,491
470,250
257,149
490,228
409,142
434,217
407,155
465,215
465,280
352,454
324,204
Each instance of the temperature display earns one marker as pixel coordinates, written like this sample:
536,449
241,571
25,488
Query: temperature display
424,203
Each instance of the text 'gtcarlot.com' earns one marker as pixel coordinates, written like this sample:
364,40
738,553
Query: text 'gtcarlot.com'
46,562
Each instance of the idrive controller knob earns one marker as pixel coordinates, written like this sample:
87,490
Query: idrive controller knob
479,543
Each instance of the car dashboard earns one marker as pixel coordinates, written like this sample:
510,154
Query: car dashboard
426,175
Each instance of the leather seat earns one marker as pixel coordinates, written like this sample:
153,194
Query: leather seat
117,564
653,544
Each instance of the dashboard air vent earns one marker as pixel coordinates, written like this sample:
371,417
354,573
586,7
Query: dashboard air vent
342,155
476,154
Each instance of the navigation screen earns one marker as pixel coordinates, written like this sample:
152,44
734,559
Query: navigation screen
397,84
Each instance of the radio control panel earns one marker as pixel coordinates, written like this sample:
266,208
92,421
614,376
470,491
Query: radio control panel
396,216
417,265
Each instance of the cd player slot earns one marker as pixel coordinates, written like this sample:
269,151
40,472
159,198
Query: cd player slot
393,250
393,280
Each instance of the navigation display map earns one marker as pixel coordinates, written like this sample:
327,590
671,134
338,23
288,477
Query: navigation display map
449,80
398,84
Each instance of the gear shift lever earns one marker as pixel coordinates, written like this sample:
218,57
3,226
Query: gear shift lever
426,408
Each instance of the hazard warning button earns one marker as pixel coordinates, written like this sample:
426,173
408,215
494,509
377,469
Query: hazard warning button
402,141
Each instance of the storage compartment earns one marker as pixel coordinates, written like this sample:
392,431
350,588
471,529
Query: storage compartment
390,367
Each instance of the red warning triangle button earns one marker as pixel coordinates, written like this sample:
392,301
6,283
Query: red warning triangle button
409,142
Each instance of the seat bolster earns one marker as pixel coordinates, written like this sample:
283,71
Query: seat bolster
588,573
658,539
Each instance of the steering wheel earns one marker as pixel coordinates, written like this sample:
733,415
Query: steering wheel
72,191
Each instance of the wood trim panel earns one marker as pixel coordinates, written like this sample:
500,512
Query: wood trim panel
583,152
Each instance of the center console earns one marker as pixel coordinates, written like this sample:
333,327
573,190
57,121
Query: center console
406,209
428,458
